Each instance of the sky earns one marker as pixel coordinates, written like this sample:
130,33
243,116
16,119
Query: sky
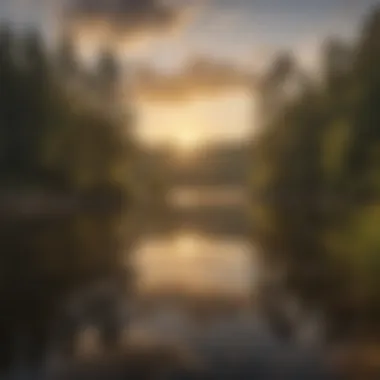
194,58
249,31
233,30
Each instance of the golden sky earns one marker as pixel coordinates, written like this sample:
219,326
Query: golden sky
194,61
215,118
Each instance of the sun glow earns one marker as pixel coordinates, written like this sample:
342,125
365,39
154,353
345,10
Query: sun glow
187,140
187,126
186,245
185,143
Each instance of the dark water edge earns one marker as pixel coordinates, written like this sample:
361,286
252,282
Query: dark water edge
240,346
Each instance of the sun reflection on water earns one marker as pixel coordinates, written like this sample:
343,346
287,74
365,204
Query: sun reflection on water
196,263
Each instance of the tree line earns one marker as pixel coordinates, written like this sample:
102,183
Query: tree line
59,128
315,180
62,136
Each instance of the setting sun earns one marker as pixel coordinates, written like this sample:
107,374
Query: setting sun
186,244
186,126
186,141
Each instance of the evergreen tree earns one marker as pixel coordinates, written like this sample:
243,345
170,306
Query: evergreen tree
315,186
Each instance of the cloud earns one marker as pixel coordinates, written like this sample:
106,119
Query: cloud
24,12
200,77
125,21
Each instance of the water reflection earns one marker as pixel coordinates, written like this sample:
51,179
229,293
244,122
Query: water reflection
187,261
206,196
49,268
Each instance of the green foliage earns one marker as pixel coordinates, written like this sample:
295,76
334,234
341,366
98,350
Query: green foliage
52,130
315,182
64,143
334,145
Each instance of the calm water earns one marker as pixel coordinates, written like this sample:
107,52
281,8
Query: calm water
194,263
195,287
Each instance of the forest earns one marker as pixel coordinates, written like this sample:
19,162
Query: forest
67,178
315,181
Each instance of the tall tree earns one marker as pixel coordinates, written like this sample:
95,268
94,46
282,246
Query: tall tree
74,151
316,187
